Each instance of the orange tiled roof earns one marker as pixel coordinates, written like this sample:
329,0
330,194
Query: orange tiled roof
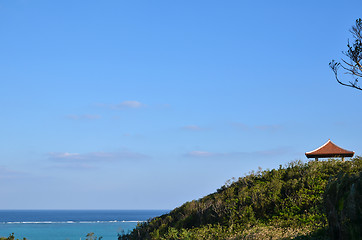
329,149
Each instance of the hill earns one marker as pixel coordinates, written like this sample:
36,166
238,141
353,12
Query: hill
281,203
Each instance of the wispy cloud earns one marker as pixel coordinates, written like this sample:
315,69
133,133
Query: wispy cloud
273,152
202,154
241,126
340,123
264,127
192,128
6,173
129,104
73,166
64,156
132,135
271,127
83,117
239,155
95,156
67,160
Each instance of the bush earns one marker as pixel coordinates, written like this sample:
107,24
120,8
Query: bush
289,198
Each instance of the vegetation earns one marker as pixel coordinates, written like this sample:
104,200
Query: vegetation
11,237
343,197
281,203
353,65
92,236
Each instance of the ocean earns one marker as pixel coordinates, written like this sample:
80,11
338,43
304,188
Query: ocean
71,224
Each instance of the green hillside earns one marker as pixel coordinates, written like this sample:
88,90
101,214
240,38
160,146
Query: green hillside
281,203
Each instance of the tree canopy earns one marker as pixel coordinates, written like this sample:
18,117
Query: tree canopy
284,203
352,65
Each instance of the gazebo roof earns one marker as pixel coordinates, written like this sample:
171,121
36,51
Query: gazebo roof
329,149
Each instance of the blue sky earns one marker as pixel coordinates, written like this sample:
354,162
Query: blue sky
148,104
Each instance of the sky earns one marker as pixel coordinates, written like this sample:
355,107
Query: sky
149,104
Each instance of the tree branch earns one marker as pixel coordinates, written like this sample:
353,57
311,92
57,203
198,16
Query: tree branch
353,66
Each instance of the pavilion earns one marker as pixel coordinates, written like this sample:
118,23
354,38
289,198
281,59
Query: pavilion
329,150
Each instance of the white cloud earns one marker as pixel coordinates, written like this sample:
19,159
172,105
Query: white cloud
75,166
192,128
6,173
201,154
64,156
94,157
240,155
130,104
83,117
241,126
265,127
271,127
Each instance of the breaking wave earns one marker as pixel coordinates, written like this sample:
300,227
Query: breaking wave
68,222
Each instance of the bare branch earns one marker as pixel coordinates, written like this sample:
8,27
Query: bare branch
354,53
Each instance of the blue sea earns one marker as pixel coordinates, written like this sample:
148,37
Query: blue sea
71,224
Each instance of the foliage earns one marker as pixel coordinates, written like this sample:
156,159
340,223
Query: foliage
11,237
353,65
281,203
343,197
91,236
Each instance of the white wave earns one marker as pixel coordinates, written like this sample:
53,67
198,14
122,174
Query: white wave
68,222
